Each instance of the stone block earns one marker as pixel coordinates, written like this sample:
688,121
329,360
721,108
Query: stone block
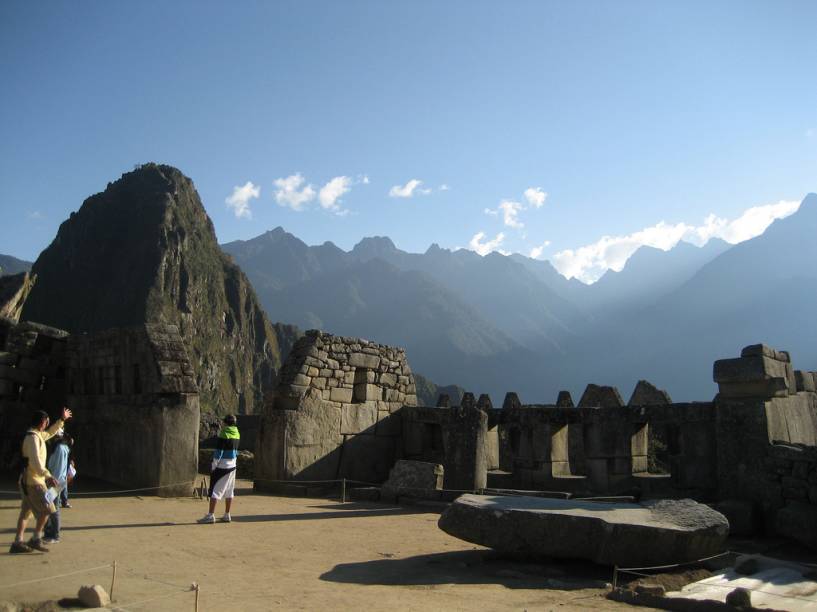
651,533
804,380
93,596
301,379
363,360
647,394
367,393
407,475
358,418
754,376
312,371
388,380
341,394
602,396
762,350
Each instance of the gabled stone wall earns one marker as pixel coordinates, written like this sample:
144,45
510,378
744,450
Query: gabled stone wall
136,407
334,411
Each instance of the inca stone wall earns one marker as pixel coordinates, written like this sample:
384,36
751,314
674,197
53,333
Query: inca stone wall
767,424
136,412
137,407
334,411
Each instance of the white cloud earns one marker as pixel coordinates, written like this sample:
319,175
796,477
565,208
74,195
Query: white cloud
483,248
589,262
810,133
36,216
408,190
291,192
535,196
239,200
444,187
329,195
536,251
510,213
363,178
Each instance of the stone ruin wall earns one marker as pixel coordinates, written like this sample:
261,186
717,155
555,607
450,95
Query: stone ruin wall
334,412
32,377
136,405
602,446
752,452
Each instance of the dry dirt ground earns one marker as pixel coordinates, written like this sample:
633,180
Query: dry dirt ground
284,553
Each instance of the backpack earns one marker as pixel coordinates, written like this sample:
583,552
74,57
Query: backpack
20,463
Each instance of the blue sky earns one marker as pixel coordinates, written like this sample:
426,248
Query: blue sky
626,114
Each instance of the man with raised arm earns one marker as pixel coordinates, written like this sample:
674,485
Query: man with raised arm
35,479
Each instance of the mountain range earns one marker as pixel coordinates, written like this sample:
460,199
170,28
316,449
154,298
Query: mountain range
11,265
145,249
511,323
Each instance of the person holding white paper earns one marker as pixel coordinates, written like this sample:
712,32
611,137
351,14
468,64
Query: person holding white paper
58,466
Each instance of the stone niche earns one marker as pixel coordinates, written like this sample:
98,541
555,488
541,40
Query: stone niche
334,412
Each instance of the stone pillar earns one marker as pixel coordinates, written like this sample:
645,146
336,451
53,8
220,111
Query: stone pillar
465,462
608,440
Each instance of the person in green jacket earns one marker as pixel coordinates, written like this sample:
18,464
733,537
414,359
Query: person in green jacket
222,471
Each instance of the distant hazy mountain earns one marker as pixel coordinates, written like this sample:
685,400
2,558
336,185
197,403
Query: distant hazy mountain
505,295
12,265
761,290
428,393
351,294
496,323
650,274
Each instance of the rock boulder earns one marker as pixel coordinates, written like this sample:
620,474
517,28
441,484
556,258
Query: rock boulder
625,534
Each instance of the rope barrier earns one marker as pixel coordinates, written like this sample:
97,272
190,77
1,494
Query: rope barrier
192,588
723,554
110,492
82,571
634,571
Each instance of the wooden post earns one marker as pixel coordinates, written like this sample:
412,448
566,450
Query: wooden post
615,577
196,585
113,580
343,491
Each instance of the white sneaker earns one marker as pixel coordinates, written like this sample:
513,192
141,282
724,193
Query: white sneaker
226,518
207,519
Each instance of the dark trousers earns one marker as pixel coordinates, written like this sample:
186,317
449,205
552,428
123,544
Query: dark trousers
52,527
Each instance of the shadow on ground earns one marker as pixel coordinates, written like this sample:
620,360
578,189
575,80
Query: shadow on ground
471,567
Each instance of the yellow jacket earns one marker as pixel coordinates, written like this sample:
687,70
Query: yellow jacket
34,451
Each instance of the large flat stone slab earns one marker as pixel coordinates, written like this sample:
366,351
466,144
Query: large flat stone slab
624,534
